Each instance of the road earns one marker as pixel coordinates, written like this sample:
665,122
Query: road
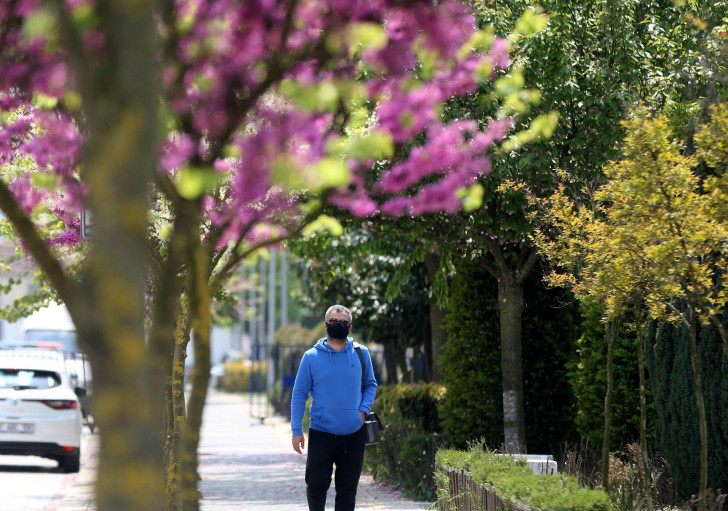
30,483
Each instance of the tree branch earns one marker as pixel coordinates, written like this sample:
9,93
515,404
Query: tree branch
679,313
501,266
221,277
525,264
35,245
719,325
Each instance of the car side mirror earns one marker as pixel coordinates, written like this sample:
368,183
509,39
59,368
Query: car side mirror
80,392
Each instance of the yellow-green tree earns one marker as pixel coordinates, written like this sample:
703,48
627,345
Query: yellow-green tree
583,246
655,236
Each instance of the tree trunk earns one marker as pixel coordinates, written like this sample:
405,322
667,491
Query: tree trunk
121,104
404,368
612,330
510,306
200,310
390,363
427,348
176,408
646,475
437,331
702,422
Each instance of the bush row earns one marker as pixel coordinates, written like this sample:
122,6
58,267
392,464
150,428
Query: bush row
514,482
404,458
238,376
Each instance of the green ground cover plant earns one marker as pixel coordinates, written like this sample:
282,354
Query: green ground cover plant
515,483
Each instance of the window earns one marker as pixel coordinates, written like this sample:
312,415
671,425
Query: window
62,340
28,379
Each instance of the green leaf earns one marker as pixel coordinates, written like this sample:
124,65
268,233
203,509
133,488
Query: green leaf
375,145
322,97
44,181
531,22
366,35
480,41
195,181
42,23
331,172
471,196
43,101
324,223
509,84
72,101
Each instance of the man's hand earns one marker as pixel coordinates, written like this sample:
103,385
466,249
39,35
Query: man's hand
362,415
299,443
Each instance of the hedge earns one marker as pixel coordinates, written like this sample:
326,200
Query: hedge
514,482
404,458
236,377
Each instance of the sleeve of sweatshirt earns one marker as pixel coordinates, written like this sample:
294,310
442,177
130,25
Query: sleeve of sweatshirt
369,390
301,389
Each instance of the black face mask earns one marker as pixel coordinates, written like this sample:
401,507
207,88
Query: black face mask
337,331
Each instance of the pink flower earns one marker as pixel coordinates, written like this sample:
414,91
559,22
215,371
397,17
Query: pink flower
177,152
27,196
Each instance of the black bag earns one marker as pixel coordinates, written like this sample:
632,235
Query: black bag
372,425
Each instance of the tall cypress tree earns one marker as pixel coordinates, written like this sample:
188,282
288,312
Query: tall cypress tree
678,437
589,381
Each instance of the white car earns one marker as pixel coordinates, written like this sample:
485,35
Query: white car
40,412
51,328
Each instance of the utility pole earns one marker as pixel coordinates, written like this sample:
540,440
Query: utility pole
271,296
284,289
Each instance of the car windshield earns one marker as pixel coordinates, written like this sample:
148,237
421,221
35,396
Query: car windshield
61,340
28,379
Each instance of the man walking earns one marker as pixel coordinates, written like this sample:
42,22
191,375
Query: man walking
332,373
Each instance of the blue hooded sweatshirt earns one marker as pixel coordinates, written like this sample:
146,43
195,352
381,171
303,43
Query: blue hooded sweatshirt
334,380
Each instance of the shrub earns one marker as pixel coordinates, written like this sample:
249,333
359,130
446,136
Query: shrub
404,457
631,486
514,482
237,375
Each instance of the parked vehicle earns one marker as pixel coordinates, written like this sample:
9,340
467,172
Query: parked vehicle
40,410
51,328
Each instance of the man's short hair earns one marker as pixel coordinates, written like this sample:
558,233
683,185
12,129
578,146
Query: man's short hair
337,308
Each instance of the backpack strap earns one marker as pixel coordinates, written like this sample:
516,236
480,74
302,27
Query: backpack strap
361,360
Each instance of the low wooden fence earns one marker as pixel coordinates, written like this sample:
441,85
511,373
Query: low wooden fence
464,494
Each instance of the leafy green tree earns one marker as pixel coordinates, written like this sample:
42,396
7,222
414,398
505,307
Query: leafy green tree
471,360
590,62
343,269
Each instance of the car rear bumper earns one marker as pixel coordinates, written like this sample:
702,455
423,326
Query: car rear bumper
44,449
64,430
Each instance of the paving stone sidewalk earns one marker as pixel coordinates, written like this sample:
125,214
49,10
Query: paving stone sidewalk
248,465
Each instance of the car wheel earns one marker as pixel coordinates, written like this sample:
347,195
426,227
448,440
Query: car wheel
70,463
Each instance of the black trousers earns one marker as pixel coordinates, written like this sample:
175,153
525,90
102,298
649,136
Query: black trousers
324,451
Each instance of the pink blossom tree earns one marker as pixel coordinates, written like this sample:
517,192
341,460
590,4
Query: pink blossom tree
197,132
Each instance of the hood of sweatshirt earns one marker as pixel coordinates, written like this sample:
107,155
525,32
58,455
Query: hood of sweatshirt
348,349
